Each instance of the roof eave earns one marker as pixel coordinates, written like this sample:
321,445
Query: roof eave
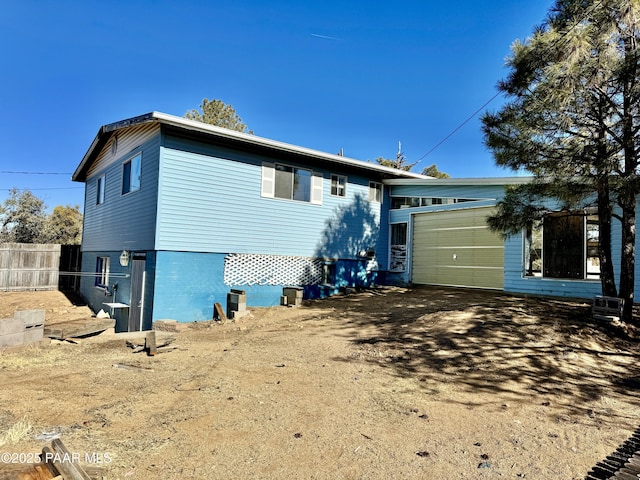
278,146
460,181
106,131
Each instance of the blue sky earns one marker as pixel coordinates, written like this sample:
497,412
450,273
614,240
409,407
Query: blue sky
327,75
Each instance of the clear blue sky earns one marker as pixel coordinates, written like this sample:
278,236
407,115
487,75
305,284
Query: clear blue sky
330,75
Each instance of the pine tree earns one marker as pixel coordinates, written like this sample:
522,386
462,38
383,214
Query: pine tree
571,119
216,112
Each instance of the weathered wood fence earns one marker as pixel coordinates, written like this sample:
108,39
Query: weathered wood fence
25,266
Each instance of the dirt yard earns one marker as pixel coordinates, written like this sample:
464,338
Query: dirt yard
388,384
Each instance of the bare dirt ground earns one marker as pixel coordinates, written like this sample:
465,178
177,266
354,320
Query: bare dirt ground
388,384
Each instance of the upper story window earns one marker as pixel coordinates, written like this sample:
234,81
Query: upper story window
291,183
564,245
338,185
131,174
409,202
375,192
100,189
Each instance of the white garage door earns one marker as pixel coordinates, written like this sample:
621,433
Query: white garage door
457,248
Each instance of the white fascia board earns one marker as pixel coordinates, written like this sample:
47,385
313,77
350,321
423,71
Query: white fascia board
85,158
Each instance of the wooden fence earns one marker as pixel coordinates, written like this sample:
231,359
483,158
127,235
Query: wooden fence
25,266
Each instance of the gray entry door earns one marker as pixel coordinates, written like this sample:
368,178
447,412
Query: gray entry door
137,292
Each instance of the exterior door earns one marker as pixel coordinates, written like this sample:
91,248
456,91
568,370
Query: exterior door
137,292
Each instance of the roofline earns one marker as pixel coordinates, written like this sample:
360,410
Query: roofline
224,133
460,181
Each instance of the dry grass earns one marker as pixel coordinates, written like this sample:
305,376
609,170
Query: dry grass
16,433
34,356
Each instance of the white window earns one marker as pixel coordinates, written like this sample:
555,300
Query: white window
102,272
131,174
375,192
100,189
291,183
338,185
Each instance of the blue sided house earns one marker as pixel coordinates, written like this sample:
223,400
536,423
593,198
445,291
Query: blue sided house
438,235
177,213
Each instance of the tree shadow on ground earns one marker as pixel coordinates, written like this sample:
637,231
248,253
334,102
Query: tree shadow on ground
492,345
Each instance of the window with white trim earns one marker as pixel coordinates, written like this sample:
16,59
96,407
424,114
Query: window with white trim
291,183
375,192
338,185
100,189
131,174
102,272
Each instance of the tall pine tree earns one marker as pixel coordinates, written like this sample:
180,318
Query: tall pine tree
571,119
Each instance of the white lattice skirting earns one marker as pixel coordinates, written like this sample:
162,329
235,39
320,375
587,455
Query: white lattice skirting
254,269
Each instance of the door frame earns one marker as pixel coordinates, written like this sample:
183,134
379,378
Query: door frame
136,301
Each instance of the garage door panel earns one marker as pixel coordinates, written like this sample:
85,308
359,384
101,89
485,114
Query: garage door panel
464,256
457,248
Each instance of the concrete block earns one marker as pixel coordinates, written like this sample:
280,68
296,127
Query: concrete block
294,295
34,334
237,315
236,303
12,339
170,325
30,317
11,325
26,326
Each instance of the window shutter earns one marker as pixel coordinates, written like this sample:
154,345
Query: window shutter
316,188
268,179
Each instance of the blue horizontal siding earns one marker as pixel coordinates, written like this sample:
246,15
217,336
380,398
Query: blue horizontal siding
515,281
214,204
123,221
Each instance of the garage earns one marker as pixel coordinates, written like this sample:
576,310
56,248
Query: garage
456,248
